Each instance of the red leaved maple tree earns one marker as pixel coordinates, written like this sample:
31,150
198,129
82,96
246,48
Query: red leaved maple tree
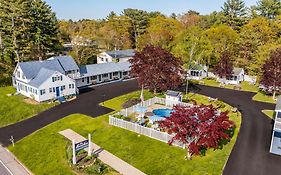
198,127
224,67
271,77
157,69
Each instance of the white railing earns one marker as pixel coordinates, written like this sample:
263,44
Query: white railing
150,132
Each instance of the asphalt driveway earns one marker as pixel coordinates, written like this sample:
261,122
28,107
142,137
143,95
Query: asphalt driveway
250,155
87,103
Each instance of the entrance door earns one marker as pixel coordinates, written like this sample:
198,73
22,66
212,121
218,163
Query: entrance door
99,77
58,91
88,80
110,75
121,75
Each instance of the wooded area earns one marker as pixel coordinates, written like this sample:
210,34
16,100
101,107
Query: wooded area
29,30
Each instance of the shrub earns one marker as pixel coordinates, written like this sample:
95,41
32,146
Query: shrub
5,81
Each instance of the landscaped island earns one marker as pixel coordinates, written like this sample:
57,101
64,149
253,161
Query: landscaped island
148,155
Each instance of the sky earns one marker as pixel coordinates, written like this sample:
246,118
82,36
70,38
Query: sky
98,9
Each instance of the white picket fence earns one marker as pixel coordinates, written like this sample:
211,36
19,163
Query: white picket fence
150,132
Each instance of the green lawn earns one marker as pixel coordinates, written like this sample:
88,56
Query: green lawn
44,152
245,86
269,113
14,109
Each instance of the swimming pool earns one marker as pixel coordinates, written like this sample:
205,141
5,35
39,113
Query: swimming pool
163,112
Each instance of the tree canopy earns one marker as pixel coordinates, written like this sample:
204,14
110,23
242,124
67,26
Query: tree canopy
198,127
271,69
157,69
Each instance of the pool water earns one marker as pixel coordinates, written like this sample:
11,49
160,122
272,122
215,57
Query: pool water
163,112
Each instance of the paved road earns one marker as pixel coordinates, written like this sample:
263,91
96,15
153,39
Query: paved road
250,155
86,103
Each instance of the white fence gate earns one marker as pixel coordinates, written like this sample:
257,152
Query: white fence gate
158,135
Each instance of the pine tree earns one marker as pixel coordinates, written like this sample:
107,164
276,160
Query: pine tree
44,30
235,13
269,8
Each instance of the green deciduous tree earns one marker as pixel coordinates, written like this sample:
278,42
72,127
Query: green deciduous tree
192,46
256,33
160,32
222,37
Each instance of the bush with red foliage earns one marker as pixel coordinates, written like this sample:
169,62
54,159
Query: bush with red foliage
198,127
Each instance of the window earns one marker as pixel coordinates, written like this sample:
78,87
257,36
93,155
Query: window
53,78
61,78
104,75
54,89
125,73
101,59
18,74
83,80
115,73
62,88
50,90
93,77
42,91
70,86
106,60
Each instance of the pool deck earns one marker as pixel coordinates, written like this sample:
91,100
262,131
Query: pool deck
157,106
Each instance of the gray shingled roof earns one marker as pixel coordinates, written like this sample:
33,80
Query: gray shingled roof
121,53
237,71
60,64
173,93
67,62
103,68
41,77
278,105
31,68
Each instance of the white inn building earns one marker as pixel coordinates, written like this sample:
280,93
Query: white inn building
60,76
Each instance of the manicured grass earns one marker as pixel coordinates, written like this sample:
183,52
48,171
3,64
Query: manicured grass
263,98
14,109
269,113
245,86
44,152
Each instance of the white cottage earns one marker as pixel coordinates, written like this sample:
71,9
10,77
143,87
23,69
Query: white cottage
173,98
197,72
236,78
46,80
115,56
275,147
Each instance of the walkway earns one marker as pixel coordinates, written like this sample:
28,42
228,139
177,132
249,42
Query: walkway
9,165
106,157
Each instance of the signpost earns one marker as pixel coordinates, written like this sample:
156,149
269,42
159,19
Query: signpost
79,146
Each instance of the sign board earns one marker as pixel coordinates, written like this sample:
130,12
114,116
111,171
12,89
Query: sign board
81,145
